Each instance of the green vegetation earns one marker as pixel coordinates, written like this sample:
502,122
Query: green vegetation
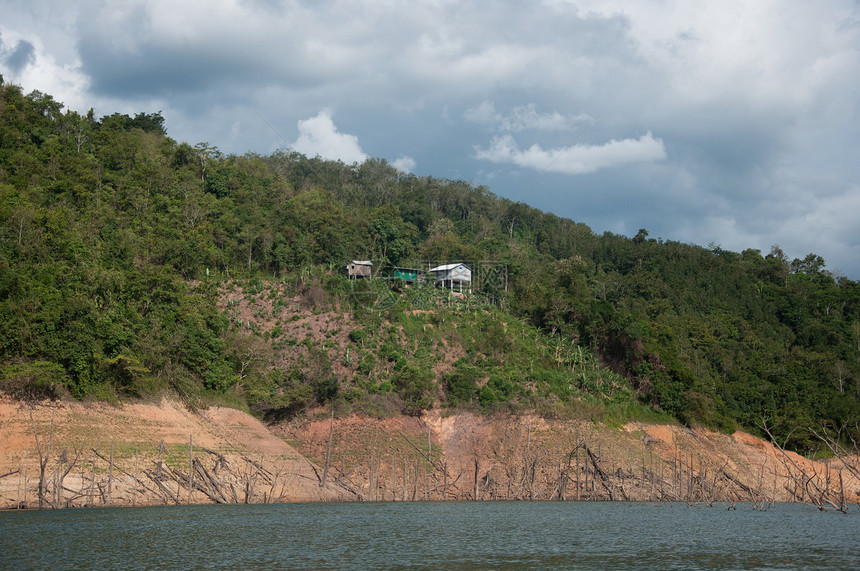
117,243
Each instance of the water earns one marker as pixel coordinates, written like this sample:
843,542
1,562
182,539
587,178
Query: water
456,535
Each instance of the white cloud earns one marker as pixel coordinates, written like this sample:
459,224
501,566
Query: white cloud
576,159
319,136
405,164
40,69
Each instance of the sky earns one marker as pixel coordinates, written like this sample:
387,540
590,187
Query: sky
730,123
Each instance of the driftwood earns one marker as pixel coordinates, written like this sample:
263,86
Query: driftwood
135,478
438,466
841,453
43,458
213,491
266,474
738,483
344,481
521,470
199,480
817,496
157,476
603,477
220,460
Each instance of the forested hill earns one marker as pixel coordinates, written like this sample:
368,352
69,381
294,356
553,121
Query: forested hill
117,243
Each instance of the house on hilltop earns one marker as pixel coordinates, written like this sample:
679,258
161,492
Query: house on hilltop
455,277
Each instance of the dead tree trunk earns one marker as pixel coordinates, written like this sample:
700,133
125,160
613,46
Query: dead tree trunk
43,459
599,472
110,476
328,448
818,495
190,466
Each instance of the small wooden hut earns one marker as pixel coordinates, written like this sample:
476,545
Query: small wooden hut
359,269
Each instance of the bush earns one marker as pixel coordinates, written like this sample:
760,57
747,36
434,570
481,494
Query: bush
502,387
126,373
33,381
487,396
220,378
462,384
366,364
327,389
416,389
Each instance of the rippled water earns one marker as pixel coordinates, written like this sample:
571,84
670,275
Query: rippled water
459,535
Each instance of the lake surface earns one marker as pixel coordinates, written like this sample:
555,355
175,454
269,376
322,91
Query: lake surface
455,535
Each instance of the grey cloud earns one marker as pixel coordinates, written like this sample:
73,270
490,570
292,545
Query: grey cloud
154,69
310,46
20,56
137,56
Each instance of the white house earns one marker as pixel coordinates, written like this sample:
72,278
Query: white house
453,276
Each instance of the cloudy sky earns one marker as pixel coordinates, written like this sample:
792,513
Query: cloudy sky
732,122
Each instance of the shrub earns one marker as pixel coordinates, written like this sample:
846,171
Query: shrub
416,389
502,387
327,389
486,396
33,381
462,384
366,364
220,378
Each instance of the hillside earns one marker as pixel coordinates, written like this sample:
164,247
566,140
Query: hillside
425,349
134,266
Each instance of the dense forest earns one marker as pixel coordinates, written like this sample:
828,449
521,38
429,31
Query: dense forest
117,243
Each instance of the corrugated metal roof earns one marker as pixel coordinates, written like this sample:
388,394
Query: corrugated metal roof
448,267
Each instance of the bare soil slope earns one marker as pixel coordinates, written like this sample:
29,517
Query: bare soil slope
436,457
466,456
236,458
